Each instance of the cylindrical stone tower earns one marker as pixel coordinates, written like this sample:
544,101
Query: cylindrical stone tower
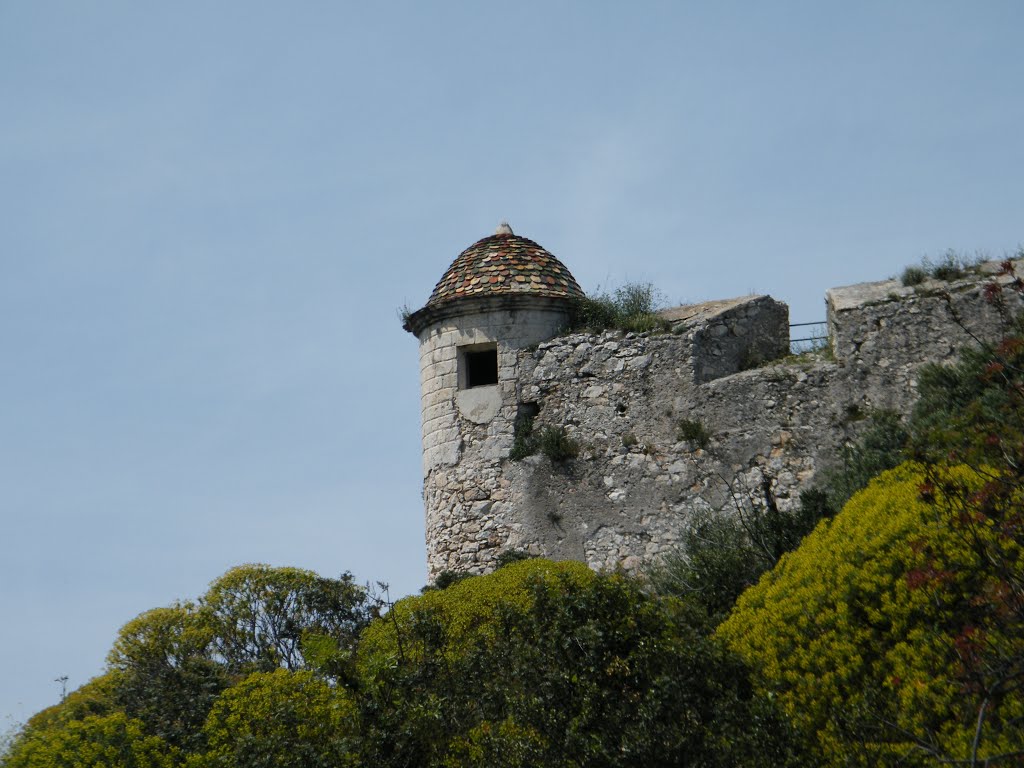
501,294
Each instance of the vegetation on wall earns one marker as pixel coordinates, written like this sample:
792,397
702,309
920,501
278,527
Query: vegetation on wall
950,266
631,308
693,431
551,441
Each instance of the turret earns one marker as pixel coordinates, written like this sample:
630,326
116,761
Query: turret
501,294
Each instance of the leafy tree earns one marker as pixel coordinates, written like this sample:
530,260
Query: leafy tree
724,554
95,741
549,664
973,413
413,694
860,633
165,675
96,697
169,665
259,615
280,718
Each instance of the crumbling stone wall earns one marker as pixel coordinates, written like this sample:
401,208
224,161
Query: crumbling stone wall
637,482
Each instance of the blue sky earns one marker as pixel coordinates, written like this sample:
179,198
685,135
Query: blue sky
212,211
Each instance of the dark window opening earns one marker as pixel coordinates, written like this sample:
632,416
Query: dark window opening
481,367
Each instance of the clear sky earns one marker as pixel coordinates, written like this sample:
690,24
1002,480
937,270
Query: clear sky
211,212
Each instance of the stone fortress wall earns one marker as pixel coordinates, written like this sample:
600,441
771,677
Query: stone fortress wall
635,486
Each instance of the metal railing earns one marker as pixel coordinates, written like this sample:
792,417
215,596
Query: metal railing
813,340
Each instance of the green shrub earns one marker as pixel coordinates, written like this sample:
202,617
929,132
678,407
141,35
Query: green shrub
882,445
524,442
724,554
951,266
280,718
446,578
713,567
631,308
552,665
551,441
112,741
694,432
466,608
913,276
863,634
509,556
554,443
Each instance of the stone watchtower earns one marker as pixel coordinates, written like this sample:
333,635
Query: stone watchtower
501,294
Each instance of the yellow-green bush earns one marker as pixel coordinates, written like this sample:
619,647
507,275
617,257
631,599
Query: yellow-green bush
463,610
860,633
107,741
280,718
551,665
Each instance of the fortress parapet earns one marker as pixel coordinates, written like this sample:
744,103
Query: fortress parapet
670,426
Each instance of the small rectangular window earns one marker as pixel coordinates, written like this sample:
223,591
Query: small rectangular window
479,366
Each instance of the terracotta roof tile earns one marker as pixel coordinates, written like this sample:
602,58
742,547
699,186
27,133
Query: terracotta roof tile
505,264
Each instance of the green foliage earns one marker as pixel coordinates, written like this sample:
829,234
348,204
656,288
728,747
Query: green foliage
539,664
973,411
164,674
913,275
504,744
95,698
724,554
633,307
404,312
550,664
411,659
551,441
554,443
446,578
170,665
259,614
882,445
509,556
694,432
95,741
464,607
860,633
897,633
951,266
714,566
524,443
279,718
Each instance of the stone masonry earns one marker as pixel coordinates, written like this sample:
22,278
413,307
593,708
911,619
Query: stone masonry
774,422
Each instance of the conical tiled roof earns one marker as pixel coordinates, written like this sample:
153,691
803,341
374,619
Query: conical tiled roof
504,264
